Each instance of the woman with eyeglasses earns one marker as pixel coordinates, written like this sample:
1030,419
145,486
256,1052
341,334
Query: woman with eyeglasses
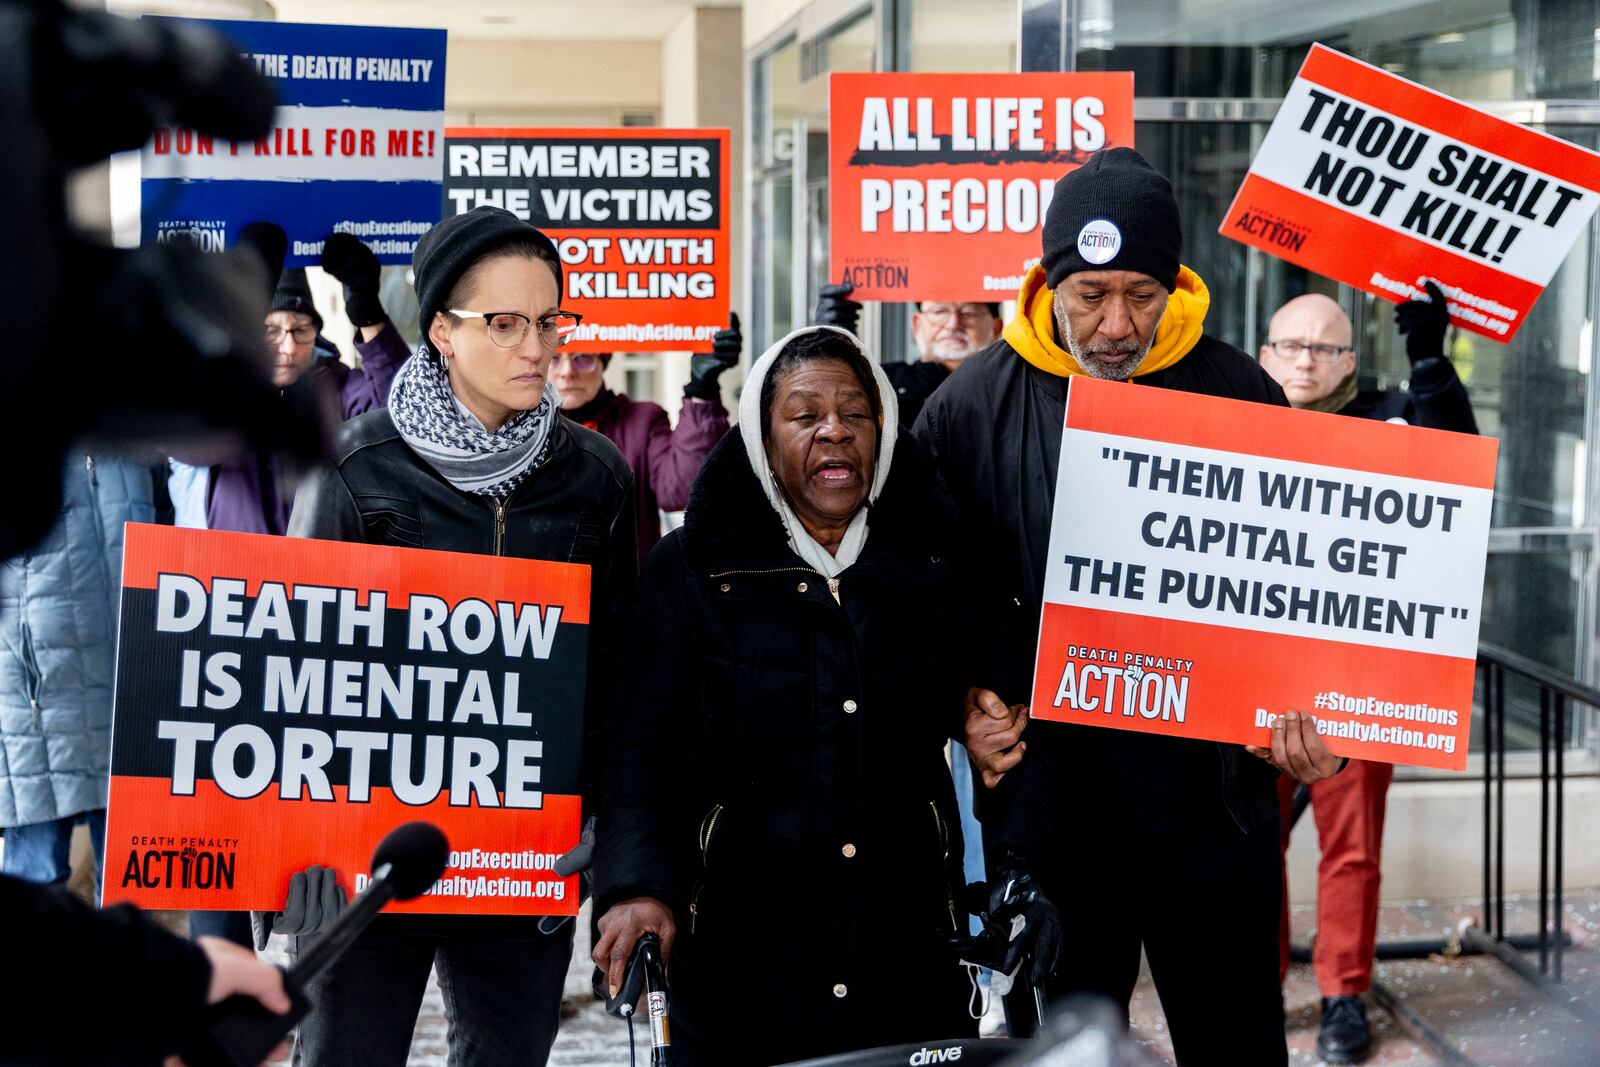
664,460
472,455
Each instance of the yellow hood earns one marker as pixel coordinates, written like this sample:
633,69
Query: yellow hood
1033,332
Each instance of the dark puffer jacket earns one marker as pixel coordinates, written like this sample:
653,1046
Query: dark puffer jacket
776,773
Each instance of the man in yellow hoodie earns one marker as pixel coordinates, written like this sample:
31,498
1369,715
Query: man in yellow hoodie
1140,841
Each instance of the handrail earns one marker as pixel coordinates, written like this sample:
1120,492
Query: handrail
1535,671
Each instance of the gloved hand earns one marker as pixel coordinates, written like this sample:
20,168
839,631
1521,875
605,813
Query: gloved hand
1020,921
1424,323
315,900
835,308
346,258
577,861
705,367
268,241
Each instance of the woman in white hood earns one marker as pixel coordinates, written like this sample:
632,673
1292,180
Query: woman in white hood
777,805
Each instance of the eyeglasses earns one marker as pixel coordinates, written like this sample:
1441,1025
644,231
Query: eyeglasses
303,335
508,328
582,362
1320,353
969,316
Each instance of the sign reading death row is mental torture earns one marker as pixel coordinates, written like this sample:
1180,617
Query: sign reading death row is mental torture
284,702
356,145
640,217
1383,184
940,182
1214,564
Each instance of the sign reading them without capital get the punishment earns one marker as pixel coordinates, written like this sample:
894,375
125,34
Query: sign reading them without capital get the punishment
283,702
1215,563
940,182
1383,184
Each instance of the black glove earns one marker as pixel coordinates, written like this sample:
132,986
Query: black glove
345,257
705,367
268,241
1424,323
1020,921
315,900
835,308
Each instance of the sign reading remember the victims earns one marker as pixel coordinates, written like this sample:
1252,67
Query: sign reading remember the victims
284,702
640,217
1381,183
940,182
1214,564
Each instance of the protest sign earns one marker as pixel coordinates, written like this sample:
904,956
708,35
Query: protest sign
284,702
357,145
1381,183
640,217
939,183
1214,564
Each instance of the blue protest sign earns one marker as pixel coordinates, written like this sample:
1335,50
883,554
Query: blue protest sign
357,146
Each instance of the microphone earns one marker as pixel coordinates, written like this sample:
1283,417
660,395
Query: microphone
239,1032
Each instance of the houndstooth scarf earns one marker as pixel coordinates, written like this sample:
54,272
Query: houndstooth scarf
454,443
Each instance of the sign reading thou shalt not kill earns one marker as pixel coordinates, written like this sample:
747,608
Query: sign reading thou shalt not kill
1383,184
1215,563
282,702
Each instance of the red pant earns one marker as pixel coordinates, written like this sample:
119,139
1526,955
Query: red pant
1349,811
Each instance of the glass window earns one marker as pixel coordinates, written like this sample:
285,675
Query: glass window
964,35
1475,50
775,89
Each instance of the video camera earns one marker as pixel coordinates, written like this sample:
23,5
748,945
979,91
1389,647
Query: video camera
149,347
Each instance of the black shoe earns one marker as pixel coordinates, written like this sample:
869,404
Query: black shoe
1345,1036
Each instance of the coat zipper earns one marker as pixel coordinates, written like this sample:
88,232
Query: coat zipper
88,465
708,826
833,583
944,848
499,525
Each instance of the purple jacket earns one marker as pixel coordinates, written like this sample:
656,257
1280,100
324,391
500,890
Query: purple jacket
664,461
253,493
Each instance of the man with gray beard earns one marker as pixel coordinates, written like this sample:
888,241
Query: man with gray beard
1141,841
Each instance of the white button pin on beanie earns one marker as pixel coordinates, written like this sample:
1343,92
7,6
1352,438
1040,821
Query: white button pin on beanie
1099,241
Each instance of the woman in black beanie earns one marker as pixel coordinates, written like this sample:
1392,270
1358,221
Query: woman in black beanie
472,455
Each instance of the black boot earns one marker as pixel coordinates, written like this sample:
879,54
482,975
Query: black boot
1345,1036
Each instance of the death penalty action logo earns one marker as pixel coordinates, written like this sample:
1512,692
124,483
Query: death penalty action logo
1099,241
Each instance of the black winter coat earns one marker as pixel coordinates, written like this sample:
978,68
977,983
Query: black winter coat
913,384
994,432
776,774
145,987
1436,399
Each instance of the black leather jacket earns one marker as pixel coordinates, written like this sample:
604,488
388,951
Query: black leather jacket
576,507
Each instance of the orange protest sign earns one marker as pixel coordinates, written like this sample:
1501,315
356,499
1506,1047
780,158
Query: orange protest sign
1381,183
640,216
284,702
939,183
1214,564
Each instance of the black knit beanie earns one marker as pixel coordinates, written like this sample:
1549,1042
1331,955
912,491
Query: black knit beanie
451,247
294,294
1113,213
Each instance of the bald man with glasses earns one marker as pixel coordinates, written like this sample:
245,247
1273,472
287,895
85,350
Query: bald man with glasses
1309,352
